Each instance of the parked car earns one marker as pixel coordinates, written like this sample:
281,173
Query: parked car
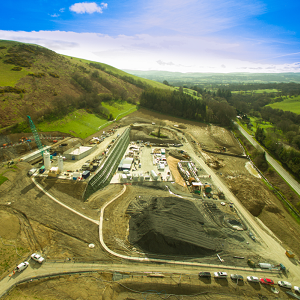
253,279
22,266
220,274
236,277
266,281
297,289
205,274
37,257
285,284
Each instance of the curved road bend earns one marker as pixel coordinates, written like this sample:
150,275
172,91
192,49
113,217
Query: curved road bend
285,175
62,204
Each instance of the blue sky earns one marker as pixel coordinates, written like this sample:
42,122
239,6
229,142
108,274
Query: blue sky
186,36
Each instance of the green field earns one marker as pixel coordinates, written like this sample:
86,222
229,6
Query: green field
258,123
267,91
290,104
119,109
82,124
189,92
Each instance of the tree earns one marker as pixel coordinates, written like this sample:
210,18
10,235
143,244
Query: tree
296,141
166,82
260,135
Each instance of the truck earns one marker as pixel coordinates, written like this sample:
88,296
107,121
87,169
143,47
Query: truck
265,266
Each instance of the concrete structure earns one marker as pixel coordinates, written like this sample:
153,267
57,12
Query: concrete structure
47,162
60,162
79,152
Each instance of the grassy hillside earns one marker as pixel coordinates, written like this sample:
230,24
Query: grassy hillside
119,72
83,124
290,104
38,82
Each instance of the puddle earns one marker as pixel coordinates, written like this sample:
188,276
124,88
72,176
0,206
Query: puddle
252,170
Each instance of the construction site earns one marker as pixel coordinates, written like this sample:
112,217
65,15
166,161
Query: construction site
190,201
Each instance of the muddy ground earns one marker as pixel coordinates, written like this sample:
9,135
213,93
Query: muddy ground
32,222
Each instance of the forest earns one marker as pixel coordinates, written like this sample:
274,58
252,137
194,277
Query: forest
282,139
221,105
177,103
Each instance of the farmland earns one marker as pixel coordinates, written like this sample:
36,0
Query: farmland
290,104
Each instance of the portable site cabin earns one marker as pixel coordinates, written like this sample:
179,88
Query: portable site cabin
123,177
289,254
154,175
53,172
161,166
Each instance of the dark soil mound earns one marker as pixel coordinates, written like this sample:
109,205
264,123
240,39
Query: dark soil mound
170,226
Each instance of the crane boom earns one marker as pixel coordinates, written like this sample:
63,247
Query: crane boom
36,135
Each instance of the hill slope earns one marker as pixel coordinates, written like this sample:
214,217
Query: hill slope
37,81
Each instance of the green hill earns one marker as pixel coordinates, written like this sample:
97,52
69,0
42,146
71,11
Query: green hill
39,82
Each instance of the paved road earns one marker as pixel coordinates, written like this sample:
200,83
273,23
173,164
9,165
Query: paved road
285,175
35,271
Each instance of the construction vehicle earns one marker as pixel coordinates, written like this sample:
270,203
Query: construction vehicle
36,135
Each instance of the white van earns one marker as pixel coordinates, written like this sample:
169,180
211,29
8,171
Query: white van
22,266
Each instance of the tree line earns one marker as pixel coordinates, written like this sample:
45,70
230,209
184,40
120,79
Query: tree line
287,155
179,104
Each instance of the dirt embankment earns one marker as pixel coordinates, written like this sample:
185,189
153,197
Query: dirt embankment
59,233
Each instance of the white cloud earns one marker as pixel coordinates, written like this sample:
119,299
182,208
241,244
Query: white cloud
55,15
169,53
62,10
87,7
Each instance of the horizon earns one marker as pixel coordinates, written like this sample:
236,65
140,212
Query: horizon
204,36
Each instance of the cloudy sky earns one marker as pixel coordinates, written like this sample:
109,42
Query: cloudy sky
177,35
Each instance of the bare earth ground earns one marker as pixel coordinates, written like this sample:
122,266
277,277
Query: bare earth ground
34,223
104,286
